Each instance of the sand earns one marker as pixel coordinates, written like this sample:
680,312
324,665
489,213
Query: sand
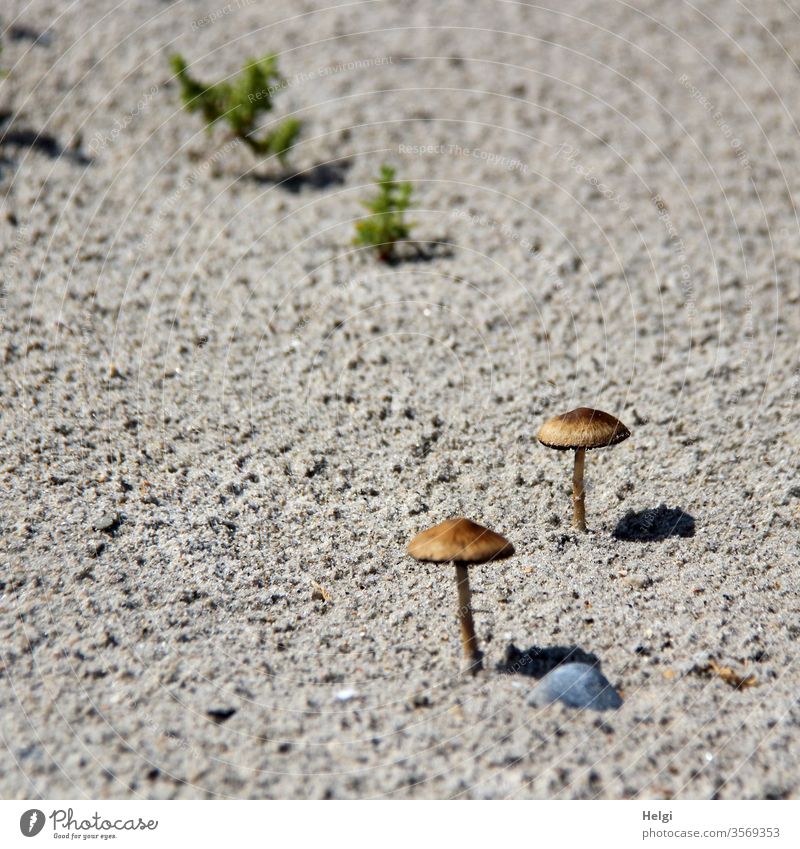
210,400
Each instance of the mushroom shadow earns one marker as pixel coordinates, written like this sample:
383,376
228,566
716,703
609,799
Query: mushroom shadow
538,661
655,524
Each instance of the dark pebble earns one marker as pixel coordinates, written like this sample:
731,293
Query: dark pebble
221,714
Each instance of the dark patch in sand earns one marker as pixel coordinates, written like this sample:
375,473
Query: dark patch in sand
656,524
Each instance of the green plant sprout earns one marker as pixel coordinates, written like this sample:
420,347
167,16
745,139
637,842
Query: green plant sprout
386,225
240,102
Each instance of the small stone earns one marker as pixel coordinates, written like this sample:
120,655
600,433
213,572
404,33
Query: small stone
346,695
221,714
95,547
639,582
695,663
86,573
108,522
318,592
577,685
24,530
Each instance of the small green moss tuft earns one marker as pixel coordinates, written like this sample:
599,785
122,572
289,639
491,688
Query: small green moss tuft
386,224
240,102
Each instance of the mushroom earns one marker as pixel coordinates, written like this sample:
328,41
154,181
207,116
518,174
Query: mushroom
579,430
460,542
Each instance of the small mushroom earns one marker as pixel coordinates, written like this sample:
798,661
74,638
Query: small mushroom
579,430
461,542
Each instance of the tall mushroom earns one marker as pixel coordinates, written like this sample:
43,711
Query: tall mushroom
581,430
461,542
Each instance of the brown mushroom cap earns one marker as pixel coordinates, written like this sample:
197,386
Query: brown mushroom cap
460,540
582,428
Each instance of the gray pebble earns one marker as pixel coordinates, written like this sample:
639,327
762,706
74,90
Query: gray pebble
95,547
640,582
107,522
577,685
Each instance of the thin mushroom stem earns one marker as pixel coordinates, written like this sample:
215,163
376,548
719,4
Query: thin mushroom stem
473,656
578,492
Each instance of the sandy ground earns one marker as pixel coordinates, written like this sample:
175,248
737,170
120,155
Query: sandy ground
190,344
